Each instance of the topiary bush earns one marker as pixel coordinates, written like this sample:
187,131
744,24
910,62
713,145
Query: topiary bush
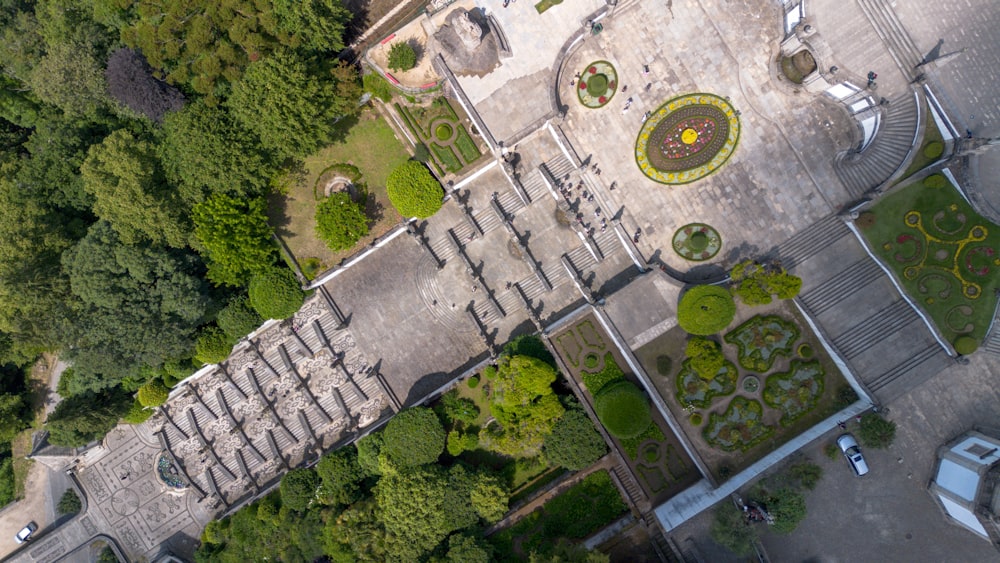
966,345
935,181
696,419
706,357
414,437
340,221
473,382
275,293
413,191
574,442
933,149
137,414
153,394
623,409
212,346
876,432
402,56
705,309
238,319
805,351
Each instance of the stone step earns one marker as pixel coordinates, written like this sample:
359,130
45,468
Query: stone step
510,202
555,273
532,288
560,167
901,369
847,281
869,331
580,258
891,30
534,186
488,220
804,244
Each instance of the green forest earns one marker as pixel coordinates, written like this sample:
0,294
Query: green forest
139,143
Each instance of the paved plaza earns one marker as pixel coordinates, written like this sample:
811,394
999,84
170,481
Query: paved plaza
509,254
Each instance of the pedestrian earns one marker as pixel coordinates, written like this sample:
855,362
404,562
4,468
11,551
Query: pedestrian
612,186
624,88
645,71
598,172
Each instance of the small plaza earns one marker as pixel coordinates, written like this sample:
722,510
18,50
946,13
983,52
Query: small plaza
586,185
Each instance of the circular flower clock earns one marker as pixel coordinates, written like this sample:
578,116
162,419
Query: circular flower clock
597,84
687,138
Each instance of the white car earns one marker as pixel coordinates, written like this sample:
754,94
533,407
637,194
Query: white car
25,533
852,452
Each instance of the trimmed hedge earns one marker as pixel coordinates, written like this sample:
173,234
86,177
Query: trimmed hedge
275,293
933,149
706,309
935,181
213,345
414,437
153,393
413,191
340,221
623,409
966,345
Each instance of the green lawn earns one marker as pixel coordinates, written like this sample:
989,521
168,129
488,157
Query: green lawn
938,272
931,135
367,143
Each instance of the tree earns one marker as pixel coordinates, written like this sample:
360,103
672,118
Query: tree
206,152
298,488
153,394
402,56
529,345
70,76
212,346
124,176
275,293
706,357
291,103
807,473
340,475
238,319
413,191
137,413
69,503
85,417
317,25
414,437
6,481
705,310
754,283
876,432
458,410
12,411
369,449
236,238
623,409
463,548
574,442
489,496
340,222
788,507
524,405
730,530
131,83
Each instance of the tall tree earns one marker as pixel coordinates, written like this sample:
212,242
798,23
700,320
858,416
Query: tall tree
124,176
131,83
86,417
236,238
291,103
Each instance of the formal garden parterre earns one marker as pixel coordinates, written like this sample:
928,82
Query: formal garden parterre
766,382
597,84
687,138
647,443
438,127
945,255
697,242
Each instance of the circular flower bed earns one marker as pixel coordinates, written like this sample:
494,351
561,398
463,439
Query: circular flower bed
697,242
597,84
687,138
751,384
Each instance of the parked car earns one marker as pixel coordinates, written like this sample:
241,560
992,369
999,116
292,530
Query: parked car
852,452
25,533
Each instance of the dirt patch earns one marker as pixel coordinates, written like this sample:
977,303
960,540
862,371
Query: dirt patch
413,34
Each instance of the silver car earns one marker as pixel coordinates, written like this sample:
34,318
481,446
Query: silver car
25,533
852,452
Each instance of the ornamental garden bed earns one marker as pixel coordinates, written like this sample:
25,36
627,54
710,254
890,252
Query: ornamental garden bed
945,255
654,454
775,383
439,127
597,84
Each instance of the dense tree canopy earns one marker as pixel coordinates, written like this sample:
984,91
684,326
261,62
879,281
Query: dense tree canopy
236,238
524,404
238,319
340,475
275,293
574,442
131,83
414,437
298,488
85,417
340,221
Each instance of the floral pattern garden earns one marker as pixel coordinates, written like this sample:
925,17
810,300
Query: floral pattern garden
697,242
597,84
945,254
687,138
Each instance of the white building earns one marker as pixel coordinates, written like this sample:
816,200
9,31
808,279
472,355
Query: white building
964,484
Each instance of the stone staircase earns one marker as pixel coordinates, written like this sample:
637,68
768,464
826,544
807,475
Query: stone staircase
910,373
895,37
991,343
849,280
558,169
812,240
861,172
534,186
887,320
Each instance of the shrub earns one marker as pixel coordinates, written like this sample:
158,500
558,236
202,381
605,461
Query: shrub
876,432
865,220
69,503
238,319
153,394
137,414
831,451
706,357
705,309
457,409
275,293
664,365
212,346
473,382
340,221
623,409
935,181
414,437
846,396
807,473
413,191
574,442
298,488
966,345
755,284
805,351
597,381
696,419
933,149
531,346
402,56
730,530
788,507
590,361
